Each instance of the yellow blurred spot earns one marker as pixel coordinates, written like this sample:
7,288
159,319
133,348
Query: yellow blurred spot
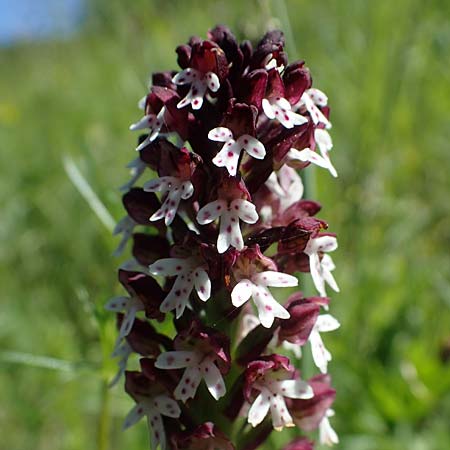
9,114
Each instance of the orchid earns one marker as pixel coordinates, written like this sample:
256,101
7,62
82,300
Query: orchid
222,219
272,377
321,265
189,273
229,154
321,355
229,214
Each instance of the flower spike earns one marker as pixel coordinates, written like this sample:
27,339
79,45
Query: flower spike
226,138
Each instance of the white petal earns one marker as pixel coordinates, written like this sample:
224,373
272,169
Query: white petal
194,96
245,210
134,416
252,146
170,205
328,277
211,212
322,244
212,80
274,186
316,274
145,122
293,389
202,284
237,240
321,355
280,414
213,379
122,367
268,109
307,155
169,266
187,387
117,304
186,76
326,322
327,435
268,308
178,296
157,215
282,103
323,139
220,134
187,189
197,92
241,292
156,429
316,114
176,360
275,279
259,409
127,322
318,97
142,102
162,184
228,157
167,406
224,237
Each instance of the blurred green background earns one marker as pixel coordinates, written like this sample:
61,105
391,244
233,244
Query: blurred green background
384,66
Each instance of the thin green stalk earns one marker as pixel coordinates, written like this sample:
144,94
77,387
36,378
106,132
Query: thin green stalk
104,423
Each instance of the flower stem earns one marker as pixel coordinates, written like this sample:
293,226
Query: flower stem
104,418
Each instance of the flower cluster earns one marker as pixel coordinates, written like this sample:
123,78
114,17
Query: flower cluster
217,229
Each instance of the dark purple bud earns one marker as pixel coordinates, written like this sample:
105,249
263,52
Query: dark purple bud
298,327
296,79
184,55
141,205
146,289
241,119
142,338
164,79
307,414
147,248
254,87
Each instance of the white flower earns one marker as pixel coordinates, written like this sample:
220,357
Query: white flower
272,396
327,435
287,185
229,154
154,408
321,356
256,287
190,273
324,143
176,189
123,352
321,269
270,62
312,98
199,82
137,168
279,108
198,367
125,227
130,305
229,213
152,121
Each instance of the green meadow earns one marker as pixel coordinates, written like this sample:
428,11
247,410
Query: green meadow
65,107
